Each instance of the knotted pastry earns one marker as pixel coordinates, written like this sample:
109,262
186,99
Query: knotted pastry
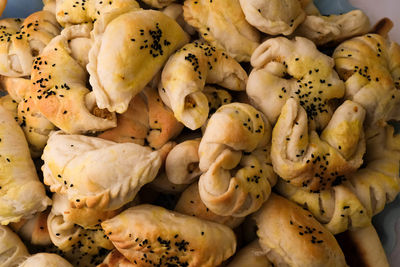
274,16
223,25
362,194
21,192
286,68
59,87
148,235
251,255
290,236
45,259
21,42
334,28
370,66
234,157
145,38
69,12
117,170
185,75
191,204
146,121
12,250
305,159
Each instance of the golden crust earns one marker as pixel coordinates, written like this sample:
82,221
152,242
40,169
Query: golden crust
116,259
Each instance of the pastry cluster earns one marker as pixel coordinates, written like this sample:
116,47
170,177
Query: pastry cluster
195,133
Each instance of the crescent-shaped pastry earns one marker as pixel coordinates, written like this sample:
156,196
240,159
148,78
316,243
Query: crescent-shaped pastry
12,250
148,235
370,66
145,38
334,28
251,255
234,157
286,68
21,41
290,236
59,87
97,173
274,17
21,192
185,75
45,259
305,159
223,24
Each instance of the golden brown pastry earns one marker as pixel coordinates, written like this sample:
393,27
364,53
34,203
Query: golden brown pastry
234,157
96,173
145,38
191,204
116,259
17,88
274,17
49,5
45,259
290,236
21,41
3,4
223,25
334,28
295,68
59,87
305,159
158,3
21,192
148,235
12,250
185,75
10,105
370,66
175,11
251,255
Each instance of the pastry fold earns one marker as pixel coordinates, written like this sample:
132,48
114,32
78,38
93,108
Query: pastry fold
251,255
45,259
12,250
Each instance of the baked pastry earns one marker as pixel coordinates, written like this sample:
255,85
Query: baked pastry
185,75
370,67
175,11
334,28
146,38
274,17
234,158
251,255
9,104
70,12
223,25
148,235
286,68
117,170
158,3
59,87
12,250
304,159
22,194
116,259
190,203
21,41
290,236
49,5
45,259
17,88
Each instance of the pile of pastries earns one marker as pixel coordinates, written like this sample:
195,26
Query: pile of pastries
195,133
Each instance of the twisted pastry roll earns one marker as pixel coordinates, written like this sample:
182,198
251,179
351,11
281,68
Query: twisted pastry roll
274,17
59,87
216,98
117,170
305,159
363,194
21,41
21,192
290,236
12,249
191,204
223,24
45,259
251,255
148,235
185,75
334,28
286,68
69,12
145,38
370,66
234,157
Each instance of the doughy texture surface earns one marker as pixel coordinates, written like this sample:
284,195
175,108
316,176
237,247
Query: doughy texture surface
45,259
12,250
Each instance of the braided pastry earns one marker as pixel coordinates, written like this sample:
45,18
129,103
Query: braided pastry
12,250
21,41
185,75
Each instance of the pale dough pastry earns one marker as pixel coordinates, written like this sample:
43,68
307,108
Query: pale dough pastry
12,250
148,235
45,259
158,3
9,104
251,255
